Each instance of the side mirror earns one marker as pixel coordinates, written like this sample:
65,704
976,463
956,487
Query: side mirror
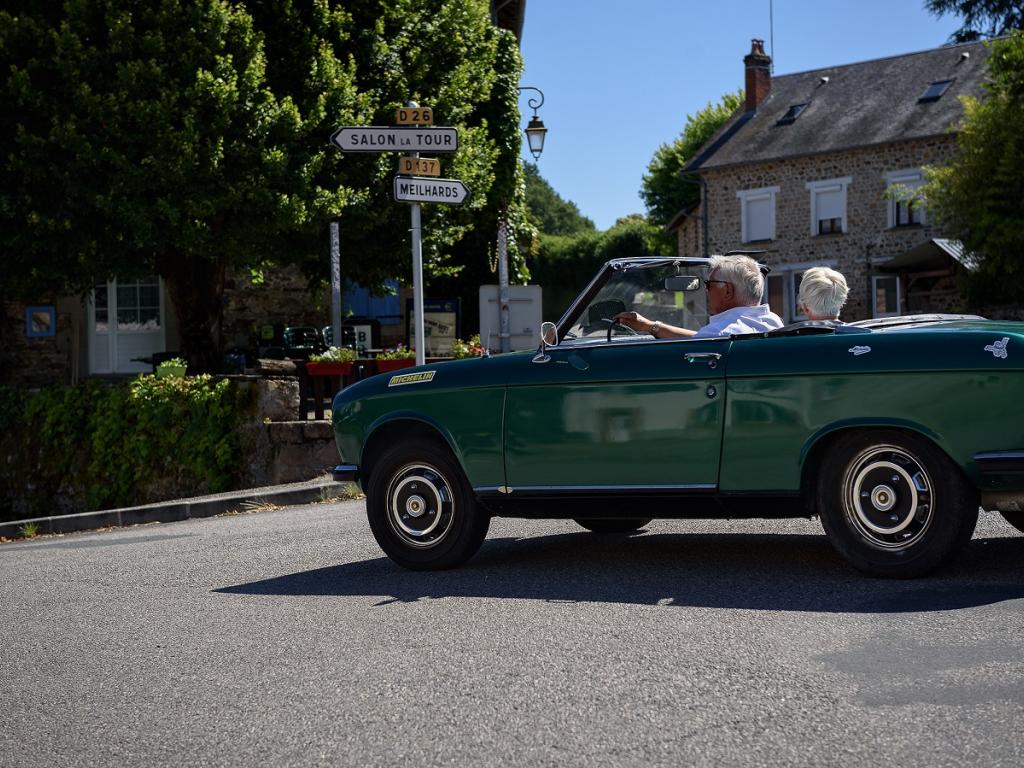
548,336
682,283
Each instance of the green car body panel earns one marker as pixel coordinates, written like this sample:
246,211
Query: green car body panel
644,414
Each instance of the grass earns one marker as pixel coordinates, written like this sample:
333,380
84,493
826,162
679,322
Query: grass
29,530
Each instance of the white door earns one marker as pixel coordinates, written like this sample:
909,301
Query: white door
126,322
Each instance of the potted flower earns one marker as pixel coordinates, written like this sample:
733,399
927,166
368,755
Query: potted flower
335,361
471,348
393,359
173,368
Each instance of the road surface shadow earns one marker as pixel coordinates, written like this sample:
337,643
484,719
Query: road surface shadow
771,572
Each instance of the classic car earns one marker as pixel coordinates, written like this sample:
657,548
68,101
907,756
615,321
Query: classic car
894,431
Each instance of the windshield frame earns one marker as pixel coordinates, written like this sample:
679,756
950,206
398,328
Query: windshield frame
612,267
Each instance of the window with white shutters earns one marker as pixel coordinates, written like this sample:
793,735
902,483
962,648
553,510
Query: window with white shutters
757,213
828,206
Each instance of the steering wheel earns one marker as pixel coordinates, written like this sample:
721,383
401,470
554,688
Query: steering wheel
613,323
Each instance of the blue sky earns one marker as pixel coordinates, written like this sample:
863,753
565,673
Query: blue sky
619,78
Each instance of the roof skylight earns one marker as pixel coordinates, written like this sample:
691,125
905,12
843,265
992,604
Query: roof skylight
792,114
935,90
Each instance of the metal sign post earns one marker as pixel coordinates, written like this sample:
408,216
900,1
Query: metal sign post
417,285
335,285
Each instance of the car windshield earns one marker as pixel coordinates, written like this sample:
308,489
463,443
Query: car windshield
641,288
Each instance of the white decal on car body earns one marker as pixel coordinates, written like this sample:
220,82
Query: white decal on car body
998,348
859,350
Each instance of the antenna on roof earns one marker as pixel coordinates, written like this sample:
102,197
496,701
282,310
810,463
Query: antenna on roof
771,34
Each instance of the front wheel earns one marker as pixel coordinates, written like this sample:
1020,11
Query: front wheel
421,509
893,504
612,525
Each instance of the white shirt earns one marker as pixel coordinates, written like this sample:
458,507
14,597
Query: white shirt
741,320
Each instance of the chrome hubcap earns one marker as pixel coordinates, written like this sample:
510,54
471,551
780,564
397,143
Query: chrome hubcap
887,496
420,506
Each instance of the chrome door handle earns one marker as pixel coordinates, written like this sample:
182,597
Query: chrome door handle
712,358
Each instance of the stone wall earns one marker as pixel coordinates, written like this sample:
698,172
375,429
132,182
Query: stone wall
856,252
35,362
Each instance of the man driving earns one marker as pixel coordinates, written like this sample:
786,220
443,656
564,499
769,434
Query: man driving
734,288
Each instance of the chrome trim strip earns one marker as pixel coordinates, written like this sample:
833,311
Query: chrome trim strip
998,455
536,488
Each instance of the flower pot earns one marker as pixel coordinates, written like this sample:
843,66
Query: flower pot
383,366
328,369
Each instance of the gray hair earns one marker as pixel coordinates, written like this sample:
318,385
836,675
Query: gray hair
823,291
744,274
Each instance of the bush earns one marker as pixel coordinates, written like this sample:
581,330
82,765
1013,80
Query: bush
97,446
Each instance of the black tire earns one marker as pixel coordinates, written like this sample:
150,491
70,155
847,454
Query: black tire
1016,519
893,504
421,509
612,525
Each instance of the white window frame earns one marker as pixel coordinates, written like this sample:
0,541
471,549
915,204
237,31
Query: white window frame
906,177
747,196
828,185
874,296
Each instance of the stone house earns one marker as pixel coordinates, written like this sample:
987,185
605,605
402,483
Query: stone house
819,167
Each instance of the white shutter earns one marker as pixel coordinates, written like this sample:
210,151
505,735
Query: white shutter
830,203
759,218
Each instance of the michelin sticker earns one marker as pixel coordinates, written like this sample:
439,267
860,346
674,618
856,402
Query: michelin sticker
411,378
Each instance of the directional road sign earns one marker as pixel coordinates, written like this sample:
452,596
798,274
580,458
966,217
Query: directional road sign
417,189
376,138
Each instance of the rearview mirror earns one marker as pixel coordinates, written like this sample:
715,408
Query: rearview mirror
682,283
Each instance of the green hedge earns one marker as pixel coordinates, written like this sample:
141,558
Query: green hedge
100,445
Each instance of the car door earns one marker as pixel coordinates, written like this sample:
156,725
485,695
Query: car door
618,415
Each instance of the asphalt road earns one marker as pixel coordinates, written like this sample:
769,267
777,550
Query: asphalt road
285,638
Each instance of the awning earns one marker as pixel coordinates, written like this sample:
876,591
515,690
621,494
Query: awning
931,254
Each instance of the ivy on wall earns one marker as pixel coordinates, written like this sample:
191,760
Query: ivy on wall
98,445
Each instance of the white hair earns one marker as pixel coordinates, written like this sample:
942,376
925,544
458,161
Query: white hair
823,291
744,274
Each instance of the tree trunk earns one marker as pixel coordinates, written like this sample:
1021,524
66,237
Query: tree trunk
196,288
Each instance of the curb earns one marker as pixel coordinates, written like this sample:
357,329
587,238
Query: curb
172,511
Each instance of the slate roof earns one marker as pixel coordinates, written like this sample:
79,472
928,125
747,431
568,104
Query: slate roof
862,104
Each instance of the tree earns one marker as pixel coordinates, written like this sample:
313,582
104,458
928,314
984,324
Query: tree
190,138
662,189
552,214
977,197
981,18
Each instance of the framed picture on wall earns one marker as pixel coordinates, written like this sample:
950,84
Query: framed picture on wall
40,321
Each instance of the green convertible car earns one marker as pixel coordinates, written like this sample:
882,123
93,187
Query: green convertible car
893,431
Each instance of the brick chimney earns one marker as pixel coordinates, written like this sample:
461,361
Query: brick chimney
759,74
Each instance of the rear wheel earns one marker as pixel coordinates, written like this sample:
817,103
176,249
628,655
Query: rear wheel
893,504
612,525
1016,519
421,509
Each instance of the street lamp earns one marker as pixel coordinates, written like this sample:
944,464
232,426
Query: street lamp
535,131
